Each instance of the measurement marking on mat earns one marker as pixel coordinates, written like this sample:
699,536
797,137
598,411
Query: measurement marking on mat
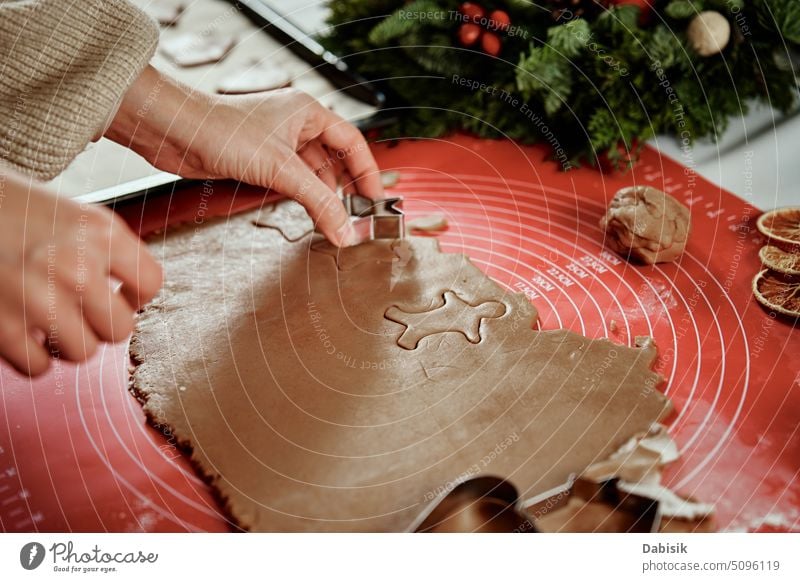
560,277
609,258
542,283
694,200
592,263
529,293
577,270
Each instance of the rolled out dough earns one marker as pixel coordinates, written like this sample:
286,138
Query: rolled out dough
303,412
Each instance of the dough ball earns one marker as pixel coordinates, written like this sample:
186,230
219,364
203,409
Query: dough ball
647,224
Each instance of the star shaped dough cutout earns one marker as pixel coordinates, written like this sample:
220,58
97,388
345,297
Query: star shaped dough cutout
454,315
394,251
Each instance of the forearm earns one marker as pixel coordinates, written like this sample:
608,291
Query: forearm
159,118
66,65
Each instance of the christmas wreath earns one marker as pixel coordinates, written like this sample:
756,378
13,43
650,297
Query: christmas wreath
593,78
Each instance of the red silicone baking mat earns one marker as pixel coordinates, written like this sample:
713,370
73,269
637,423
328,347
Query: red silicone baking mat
76,454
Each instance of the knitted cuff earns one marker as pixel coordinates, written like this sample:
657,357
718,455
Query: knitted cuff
64,67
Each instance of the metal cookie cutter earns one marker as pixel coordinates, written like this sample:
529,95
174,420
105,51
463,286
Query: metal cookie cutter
485,504
376,219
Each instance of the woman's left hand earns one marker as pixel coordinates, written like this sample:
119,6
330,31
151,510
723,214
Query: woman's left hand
283,140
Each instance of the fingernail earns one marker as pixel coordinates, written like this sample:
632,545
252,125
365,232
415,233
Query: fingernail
346,235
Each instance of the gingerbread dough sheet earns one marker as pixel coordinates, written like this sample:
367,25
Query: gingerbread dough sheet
282,374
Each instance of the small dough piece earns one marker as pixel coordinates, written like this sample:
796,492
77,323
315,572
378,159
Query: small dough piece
166,12
645,342
197,48
646,224
432,223
254,77
390,178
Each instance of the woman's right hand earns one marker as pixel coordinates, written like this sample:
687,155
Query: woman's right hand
60,265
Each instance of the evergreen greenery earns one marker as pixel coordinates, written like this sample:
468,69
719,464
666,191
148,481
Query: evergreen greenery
602,85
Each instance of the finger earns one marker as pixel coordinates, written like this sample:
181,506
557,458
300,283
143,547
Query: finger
348,184
69,334
108,313
134,266
320,163
19,349
349,145
326,210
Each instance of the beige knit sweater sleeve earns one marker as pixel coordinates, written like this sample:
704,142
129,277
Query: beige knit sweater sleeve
64,66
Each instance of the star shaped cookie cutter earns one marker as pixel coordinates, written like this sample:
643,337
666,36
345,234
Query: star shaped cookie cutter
376,219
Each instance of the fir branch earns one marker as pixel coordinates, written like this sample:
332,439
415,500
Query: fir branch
680,9
571,74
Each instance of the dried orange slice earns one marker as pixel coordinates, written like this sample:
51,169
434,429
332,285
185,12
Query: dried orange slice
775,258
778,292
782,227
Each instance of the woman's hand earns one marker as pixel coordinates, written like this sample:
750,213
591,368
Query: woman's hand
283,140
59,264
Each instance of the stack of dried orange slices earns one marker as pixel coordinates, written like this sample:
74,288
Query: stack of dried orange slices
777,287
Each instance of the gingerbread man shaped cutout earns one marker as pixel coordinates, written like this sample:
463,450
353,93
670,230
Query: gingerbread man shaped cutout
455,315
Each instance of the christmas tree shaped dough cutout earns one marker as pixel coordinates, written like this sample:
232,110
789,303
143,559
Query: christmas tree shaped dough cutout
454,315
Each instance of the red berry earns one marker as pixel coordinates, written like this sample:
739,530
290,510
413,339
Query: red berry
468,34
499,20
472,11
491,43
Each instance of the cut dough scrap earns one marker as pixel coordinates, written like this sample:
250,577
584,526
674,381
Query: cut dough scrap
254,78
192,49
639,463
287,217
637,467
304,414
